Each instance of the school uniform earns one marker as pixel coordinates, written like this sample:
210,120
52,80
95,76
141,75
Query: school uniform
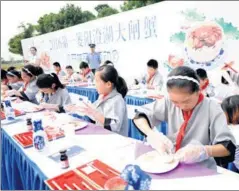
209,90
89,76
114,109
29,91
156,80
61,97
235,78
223,91
235,131
74,76
207,125
61,74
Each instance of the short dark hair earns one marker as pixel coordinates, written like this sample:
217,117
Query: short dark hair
191,86
92,45
33,47
46,81
11,68
202,74
230,106
152,63
83,65
69,67
108,62
57,64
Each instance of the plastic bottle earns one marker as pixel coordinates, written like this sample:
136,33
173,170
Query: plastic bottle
39,136
9,111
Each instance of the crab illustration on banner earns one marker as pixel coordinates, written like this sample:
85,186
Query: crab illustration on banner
204,44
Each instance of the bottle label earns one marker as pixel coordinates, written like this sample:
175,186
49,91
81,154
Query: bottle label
10,118
65,164
39,142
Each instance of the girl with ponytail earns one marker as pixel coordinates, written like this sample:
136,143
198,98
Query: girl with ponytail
110,110
54,94
29,90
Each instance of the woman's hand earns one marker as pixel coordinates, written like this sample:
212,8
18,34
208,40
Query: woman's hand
193,153
160,142
13,92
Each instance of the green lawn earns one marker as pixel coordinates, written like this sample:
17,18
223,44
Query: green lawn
18,66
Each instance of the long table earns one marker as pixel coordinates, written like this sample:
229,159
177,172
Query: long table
27,169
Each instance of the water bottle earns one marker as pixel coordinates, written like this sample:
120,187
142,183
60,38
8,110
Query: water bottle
144,85
144,81
72,81
39,136
9,111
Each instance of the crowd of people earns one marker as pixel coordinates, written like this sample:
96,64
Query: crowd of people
197,130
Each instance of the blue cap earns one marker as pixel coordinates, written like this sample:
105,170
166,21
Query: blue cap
92,45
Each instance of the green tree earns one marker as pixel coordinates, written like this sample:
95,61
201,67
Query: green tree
131,4
15,42
105,10
71,15
47,23
68,16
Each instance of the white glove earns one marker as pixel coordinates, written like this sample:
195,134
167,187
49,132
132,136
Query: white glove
194,152
160,142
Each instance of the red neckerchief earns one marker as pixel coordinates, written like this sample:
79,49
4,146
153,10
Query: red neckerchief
25,86
104,96
186,116
87,72
205,85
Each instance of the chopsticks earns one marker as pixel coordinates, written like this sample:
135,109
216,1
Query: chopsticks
68,188
92,166
77,187
112,171
87,179
56,185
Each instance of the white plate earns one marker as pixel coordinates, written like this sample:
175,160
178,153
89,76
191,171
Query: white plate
152,162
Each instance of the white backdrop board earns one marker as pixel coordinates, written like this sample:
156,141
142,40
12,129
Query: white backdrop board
160,31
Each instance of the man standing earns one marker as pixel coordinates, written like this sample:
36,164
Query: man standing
93,58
